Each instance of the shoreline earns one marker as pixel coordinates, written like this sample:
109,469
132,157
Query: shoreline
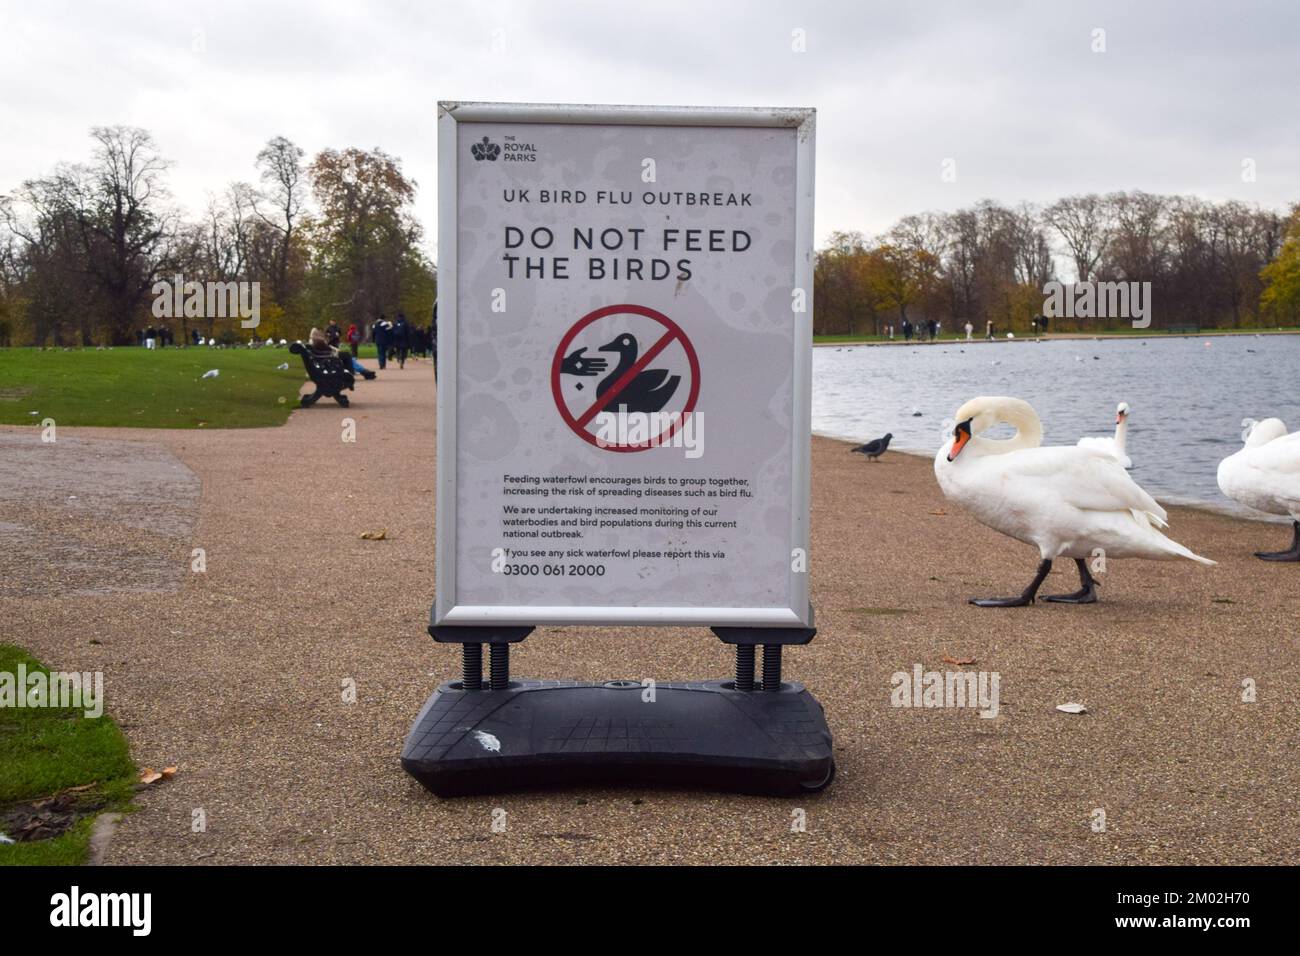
1057,336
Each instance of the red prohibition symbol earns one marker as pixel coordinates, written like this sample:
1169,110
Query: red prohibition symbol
672,333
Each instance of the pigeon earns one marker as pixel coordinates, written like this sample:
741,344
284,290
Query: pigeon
874,449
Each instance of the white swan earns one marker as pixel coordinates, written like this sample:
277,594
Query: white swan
1067,501
1265,475
1115,447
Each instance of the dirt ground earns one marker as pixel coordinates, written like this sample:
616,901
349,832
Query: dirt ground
236,674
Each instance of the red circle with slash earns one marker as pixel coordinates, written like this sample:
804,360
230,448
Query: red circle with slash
673,333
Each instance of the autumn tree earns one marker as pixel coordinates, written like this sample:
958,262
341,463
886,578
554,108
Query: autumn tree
365,238
900,276
1280,299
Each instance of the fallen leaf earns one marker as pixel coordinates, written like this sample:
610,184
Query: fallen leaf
1072,708
939,512
149,775
168,773
375,535
958,660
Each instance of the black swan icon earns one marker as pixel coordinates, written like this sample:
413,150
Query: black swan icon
649,392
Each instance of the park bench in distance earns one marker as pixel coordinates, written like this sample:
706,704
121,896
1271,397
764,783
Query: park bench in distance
329,373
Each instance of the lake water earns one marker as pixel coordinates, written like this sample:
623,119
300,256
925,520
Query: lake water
1188,396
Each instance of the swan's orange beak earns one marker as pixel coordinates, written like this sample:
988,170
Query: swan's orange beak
1119,418
960,437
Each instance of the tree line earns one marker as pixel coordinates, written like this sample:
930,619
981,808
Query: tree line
335,239
82,249
1210,265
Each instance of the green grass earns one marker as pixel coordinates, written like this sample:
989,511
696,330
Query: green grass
46,750
135,387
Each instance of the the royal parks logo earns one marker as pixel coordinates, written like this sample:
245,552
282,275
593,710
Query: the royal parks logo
485,149
509,150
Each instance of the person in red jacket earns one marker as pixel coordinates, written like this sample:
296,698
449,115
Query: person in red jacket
354,340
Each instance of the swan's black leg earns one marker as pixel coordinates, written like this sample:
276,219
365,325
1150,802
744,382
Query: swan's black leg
1087,593
1024,599
1290,555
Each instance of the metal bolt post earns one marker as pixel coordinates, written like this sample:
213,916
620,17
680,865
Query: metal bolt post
471,666
744,667
498,666
771,667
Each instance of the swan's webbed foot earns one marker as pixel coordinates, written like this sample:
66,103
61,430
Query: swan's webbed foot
1087,593
1291,554
1023,600
1083,596
1026,598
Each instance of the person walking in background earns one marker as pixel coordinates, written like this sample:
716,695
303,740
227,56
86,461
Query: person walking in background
354,340
969,330
401,339
333,334
382,339
989,330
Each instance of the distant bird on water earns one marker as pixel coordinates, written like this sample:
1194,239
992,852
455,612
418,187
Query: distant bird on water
874,449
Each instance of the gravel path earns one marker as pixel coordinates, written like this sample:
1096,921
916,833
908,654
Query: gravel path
237,675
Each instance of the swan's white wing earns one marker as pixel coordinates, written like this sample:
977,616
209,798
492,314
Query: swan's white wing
1085,478
1281,455
1107,446
1275,467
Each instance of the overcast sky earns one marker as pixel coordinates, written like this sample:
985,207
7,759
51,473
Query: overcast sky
1013,92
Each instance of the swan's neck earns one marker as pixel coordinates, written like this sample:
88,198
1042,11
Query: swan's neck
1121,433
625,362
1029,432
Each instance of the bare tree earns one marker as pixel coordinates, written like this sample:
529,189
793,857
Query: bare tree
123,229
280,207
1083,223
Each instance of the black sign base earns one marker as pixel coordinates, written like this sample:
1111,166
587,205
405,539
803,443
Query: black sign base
537,733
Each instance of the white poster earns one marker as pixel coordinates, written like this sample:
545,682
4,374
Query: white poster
625,301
